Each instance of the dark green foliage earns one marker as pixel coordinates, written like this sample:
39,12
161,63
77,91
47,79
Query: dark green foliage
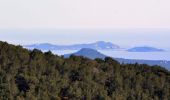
34,75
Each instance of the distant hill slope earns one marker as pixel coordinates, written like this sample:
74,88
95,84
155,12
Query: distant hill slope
163,63
87,52
145,49
34,75
92,54
100,45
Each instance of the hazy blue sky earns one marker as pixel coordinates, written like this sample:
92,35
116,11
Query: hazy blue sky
123,22
84,14
124,38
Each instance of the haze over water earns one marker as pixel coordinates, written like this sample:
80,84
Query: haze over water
124,37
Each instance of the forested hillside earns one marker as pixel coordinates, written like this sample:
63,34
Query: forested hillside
34,75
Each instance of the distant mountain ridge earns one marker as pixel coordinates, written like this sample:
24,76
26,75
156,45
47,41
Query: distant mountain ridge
100,45
145,49
92,54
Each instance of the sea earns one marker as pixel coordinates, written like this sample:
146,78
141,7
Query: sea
126,55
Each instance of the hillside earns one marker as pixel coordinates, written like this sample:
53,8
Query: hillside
34,75
87,52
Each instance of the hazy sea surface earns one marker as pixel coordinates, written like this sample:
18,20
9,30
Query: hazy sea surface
127,55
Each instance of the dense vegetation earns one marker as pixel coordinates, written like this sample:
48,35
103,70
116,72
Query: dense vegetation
33,75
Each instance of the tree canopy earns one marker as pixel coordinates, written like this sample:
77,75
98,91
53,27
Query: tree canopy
34,75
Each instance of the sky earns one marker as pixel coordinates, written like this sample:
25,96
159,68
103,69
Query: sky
125,38
124,22
84,14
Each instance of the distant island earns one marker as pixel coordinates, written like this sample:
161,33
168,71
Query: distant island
99,45
145,49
